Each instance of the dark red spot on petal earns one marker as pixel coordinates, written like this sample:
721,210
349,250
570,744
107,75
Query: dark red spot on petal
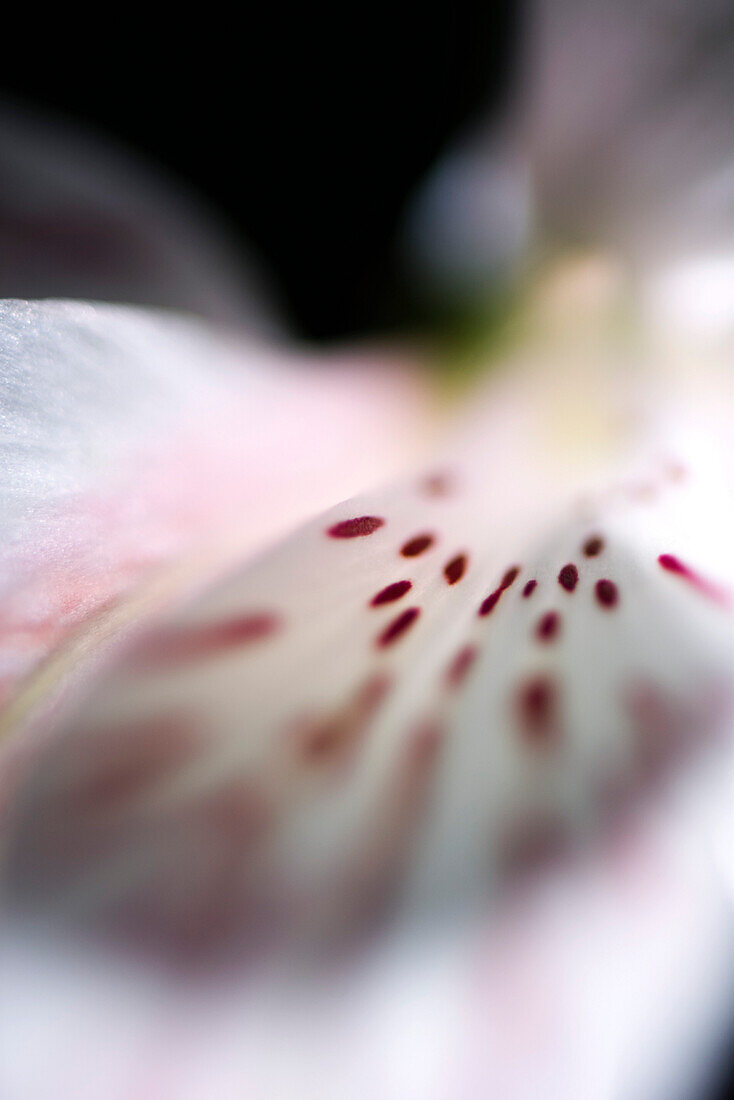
440,484
397,628
377,866
324,740
455,569
490,603
607,593
537,709
707,588
510,576
199,640
548,626
460,666
417,545
333,737
355,528
657,722
593,546
532,847
391,593
529,588
423,748
238,811
372,694
667,727
130,758
568,577
673,565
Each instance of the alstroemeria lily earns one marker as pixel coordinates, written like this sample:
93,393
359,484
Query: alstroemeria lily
417,694
420,792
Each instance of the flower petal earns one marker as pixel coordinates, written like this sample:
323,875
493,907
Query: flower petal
130,438
384,709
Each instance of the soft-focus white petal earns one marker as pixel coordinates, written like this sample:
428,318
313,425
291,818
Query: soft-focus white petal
132,438
317,691
253,768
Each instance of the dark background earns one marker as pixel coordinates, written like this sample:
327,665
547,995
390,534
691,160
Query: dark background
306,135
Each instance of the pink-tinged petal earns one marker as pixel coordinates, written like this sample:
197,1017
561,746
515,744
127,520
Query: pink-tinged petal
608,679
130,440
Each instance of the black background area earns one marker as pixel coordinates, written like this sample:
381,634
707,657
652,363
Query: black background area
306,134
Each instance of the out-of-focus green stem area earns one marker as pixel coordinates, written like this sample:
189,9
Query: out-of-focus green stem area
573,304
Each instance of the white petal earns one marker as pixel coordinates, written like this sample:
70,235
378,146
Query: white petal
130,438
304,741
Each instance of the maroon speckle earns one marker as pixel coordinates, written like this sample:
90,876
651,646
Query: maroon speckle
372,693
414,776
548,626
490,603
593,546
417,545
239,812
329,739
355,528
459,667
532,847
667,727
131,758
334,737
529,588
376,868
658,722
510,576
607,593
395,630
424,745
440,484
198,640
568,577
701,584
391,593
652,712
455,569
537,708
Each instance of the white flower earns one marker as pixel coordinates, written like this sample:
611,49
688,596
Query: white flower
422,795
